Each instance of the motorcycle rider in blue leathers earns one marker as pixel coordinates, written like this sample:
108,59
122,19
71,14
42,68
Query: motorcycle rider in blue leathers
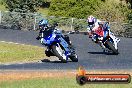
44,27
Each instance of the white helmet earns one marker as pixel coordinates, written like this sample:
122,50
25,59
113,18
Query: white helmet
91,20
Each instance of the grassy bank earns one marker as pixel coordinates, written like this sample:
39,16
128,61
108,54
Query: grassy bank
52,79
20,53
56,83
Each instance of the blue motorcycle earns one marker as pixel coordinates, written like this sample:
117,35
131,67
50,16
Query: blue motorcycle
57,45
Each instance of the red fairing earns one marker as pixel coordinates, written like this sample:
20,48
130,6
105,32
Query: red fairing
99,31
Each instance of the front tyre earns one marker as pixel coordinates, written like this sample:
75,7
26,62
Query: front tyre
111,47
74,58
59,52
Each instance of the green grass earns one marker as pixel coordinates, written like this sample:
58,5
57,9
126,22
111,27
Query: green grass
56,83
15,53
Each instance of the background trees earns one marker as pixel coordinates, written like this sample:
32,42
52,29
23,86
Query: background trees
73,8
112,10
22,6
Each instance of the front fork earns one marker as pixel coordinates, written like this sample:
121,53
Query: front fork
65,46
115,40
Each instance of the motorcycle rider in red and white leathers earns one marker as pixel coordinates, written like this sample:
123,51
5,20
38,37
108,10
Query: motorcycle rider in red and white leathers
92,24
96,24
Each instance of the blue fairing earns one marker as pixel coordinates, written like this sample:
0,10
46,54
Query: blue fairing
53,37
105,34
64,44
50,39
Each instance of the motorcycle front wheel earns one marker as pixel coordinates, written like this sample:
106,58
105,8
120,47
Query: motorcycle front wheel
59,52
74,58
111,47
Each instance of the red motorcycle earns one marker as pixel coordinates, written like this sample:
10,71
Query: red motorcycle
103,36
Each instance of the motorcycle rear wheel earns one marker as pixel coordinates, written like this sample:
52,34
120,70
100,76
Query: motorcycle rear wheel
48,53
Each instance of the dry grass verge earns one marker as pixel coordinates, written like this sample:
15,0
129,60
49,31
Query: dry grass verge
21,75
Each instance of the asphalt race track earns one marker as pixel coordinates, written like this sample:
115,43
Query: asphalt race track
90,54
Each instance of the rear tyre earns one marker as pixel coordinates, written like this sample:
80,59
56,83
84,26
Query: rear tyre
48,53
59,52
111,47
